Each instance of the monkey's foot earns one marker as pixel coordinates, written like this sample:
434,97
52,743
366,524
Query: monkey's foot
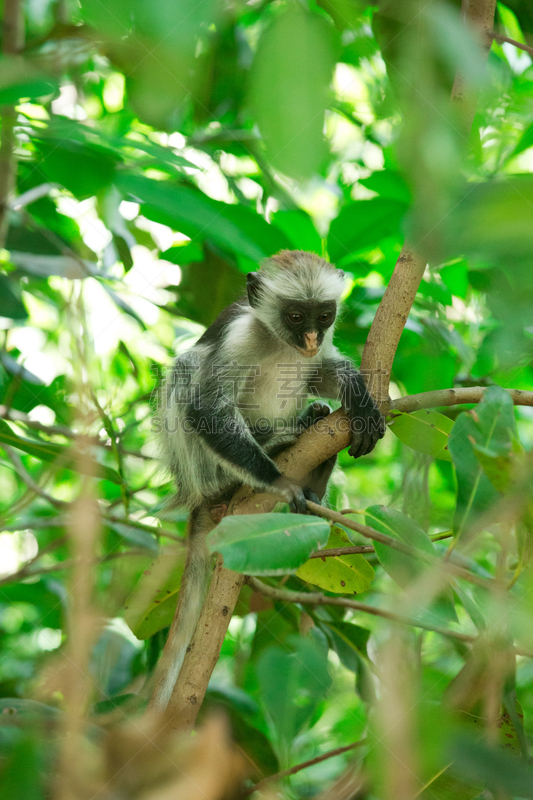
310,495
218,512
314,412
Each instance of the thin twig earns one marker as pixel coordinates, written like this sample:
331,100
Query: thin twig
318,599
337,751
28,480
395,544
453,397
366,548
500,39
60,430
343,551
132,523
25,572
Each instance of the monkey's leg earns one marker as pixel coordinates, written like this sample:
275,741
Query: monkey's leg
315,482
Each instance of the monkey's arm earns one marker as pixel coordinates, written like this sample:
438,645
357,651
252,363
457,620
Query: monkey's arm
224,431
339,379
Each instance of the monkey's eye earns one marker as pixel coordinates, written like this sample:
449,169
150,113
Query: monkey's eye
325,317
295,318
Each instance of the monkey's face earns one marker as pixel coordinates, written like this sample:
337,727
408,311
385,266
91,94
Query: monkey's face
303,324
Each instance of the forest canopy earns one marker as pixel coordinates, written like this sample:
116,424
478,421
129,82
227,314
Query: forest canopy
152,154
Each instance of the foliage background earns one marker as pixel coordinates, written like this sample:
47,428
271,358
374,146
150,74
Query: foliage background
163,149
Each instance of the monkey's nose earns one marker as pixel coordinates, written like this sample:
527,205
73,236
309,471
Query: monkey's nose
311,343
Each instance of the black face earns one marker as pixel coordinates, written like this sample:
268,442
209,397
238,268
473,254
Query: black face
306,322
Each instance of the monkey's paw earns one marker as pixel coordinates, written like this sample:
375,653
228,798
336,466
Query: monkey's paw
370,428
292,492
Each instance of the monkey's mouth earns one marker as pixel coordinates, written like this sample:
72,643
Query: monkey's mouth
312,345
308,352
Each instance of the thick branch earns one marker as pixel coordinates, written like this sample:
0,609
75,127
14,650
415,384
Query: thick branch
204,648
479,17
388,324
392,313
318,599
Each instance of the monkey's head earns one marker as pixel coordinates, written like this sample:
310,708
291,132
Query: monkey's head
296,295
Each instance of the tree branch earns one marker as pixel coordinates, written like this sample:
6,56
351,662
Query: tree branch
370,533
204,649
391,316
28,480
500,39
388,324
60,430
337,751
452,397
319,599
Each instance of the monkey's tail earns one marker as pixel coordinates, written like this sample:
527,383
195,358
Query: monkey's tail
191,598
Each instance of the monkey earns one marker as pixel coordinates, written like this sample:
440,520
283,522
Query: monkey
230,404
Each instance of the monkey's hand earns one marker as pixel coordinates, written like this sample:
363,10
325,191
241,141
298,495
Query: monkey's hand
292,492
368,428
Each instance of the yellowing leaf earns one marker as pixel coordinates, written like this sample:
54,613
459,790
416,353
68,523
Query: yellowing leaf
340,574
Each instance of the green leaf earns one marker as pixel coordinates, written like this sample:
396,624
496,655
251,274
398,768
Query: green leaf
340,574
21,79
10,305
525,141
45,595
496,467
400,566
193,213
291,684
299,229
404,568
348,639
152,604
242,710
361,225
290,79
29,90
45,451
349,642
267,544
493,767
455,277
424,431
21,774
491,425
388,183
183,255
45,265
82,168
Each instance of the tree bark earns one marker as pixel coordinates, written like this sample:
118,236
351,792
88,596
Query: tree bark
204,650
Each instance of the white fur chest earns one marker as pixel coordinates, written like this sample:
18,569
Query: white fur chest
277,389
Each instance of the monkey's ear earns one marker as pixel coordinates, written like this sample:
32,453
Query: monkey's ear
253,282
